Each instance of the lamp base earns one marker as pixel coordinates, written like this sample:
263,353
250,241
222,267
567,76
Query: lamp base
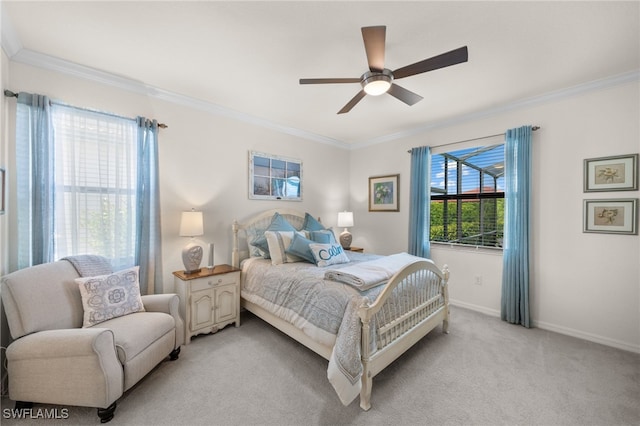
191,257
345,239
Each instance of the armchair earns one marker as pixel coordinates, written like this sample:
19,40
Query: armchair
54,360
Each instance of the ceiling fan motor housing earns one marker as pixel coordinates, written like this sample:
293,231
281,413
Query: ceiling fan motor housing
375,82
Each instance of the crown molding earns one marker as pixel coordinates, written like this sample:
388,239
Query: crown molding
616,80
41,60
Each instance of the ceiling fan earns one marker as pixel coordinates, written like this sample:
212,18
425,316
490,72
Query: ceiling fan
379,80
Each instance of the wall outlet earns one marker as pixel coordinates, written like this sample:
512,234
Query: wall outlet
478,280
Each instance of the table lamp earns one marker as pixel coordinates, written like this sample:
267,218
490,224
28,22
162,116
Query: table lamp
191,225
345,220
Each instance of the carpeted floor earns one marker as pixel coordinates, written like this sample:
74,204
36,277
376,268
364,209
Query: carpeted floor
485,372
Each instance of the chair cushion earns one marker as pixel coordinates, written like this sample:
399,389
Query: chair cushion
135,332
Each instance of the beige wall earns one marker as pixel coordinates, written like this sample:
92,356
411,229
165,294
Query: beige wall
204,161
587,285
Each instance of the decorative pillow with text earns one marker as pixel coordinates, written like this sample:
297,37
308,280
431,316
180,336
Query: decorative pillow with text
328,254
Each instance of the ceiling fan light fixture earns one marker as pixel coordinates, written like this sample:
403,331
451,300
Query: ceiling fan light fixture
377,83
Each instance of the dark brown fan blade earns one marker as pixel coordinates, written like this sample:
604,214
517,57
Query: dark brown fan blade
357,98
328,80
374,39
444,60
406,96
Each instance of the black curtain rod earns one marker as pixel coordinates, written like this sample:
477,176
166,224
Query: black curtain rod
534,128
11,94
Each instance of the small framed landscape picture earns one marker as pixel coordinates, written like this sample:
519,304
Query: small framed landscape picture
619,173
614,216
383,193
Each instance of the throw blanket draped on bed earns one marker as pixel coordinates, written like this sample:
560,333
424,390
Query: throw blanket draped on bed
366,275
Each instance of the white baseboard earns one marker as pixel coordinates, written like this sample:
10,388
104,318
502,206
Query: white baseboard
587,336
556,328
477,308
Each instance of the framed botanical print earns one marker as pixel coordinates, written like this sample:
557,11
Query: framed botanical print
611,216
383,193
618,173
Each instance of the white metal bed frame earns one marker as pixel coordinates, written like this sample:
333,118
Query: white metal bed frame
395,328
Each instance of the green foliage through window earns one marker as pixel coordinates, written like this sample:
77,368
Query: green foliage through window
467,196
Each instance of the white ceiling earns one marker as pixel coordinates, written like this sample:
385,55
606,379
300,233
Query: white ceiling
247,57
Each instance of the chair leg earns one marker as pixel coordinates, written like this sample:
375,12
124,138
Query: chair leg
174,354
106,414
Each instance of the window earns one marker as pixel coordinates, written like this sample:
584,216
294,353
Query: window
95,181
86,194
467,196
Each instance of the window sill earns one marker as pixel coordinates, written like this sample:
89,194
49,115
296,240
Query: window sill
467,248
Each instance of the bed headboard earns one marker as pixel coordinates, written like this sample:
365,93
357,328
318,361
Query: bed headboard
259,222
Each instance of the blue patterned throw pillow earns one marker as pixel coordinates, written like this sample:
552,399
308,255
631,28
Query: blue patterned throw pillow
328,254
110,296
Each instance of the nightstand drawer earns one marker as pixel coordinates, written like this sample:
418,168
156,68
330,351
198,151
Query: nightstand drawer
213,281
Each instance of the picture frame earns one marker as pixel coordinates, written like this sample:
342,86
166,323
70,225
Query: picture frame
611,216
274,177
2,190
384,193
616,173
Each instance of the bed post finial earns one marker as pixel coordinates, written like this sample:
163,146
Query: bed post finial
235,259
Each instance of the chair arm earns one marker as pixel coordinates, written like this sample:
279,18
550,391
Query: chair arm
69,366
168,303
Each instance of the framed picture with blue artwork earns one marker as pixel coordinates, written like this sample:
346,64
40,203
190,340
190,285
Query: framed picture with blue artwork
383,193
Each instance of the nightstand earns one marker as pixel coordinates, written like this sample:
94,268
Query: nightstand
209,299
356,249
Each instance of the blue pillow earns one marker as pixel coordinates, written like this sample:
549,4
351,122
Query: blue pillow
278,223
325,236
300,247
311,224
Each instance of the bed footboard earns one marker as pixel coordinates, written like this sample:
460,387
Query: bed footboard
413,303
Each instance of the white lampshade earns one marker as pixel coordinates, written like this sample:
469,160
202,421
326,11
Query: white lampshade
345,219
191,224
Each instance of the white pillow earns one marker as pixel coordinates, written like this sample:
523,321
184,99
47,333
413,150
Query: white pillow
328,254
279,242
110,296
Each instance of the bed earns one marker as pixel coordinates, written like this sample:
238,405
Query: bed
359,330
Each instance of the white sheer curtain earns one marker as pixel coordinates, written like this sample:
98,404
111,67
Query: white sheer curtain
96,179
